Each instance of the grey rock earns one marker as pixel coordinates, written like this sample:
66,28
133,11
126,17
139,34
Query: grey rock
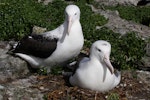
118,2
21,89
45,2
148,49
11,67
144,76
122,26
1,98
146,58
1,87
145,64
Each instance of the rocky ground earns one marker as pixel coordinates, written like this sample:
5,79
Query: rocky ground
19,82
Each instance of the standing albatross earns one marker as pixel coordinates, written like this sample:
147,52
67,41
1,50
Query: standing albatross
56,46
96,72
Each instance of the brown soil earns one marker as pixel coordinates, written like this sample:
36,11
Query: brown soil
55,87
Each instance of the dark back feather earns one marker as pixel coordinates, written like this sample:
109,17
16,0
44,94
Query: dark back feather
36,45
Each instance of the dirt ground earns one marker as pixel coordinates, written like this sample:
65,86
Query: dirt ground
56,87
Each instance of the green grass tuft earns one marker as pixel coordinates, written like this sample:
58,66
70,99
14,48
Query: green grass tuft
113,96
127,50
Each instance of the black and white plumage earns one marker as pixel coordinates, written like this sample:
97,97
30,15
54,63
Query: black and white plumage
56,46
96,72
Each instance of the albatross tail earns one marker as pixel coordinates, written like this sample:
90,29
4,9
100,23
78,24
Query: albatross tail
34,62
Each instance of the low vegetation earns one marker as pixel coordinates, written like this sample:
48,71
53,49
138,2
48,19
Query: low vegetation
17,17
113,96
138,14
127,50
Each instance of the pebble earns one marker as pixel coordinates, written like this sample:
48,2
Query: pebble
41,88
2,87
121,85
130,85
140,82
125,85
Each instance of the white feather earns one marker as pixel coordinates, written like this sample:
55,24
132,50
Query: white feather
93,73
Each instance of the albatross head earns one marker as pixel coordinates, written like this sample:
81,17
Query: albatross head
72,13
101,50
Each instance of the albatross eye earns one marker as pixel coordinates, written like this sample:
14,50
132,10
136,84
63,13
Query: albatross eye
99,49
75,14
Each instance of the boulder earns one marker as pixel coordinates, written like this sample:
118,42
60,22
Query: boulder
11,67
21,89
122,26
122,2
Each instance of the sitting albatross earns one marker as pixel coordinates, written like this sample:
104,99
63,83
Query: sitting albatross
96,72
56,46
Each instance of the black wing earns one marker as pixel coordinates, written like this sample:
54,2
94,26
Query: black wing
36,45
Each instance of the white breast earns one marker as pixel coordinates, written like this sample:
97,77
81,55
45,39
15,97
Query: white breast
69,47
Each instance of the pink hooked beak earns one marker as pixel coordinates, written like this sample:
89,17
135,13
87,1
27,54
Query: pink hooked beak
108,63
69,24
